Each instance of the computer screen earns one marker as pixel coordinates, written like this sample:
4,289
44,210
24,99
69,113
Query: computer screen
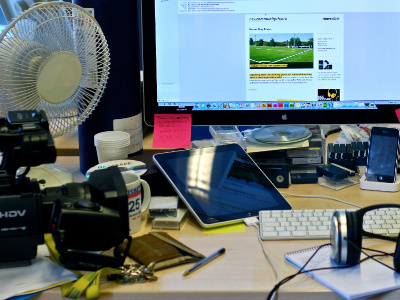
262,62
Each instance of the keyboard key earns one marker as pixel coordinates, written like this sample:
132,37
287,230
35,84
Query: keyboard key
284,234
379,231
319,233
299,233
269,234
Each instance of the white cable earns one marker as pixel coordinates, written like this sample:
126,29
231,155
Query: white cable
253,222
322,196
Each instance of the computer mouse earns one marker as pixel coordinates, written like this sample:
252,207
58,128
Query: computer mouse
50,175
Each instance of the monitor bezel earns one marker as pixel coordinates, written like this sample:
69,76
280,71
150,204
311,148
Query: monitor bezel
383,114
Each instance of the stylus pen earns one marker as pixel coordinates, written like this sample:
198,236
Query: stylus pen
204,261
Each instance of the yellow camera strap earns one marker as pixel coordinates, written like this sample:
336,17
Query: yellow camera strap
89,282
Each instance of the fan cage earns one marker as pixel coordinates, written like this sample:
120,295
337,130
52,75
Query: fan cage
27,44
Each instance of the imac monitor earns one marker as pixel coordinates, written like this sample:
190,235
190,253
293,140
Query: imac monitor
262,62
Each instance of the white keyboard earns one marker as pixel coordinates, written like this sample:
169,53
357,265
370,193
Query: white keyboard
315,223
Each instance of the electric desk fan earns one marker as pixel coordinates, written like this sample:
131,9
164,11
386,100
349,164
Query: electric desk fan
53,57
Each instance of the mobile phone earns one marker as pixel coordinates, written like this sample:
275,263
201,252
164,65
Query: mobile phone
383,154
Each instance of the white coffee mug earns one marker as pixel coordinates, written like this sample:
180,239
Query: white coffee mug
135,205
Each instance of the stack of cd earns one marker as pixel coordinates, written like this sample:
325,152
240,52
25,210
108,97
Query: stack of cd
281,134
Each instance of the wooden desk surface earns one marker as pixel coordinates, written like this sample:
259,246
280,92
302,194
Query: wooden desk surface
243,272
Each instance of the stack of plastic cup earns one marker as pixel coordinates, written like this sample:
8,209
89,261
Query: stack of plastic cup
112,145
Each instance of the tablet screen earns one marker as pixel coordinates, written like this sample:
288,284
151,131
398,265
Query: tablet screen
220,184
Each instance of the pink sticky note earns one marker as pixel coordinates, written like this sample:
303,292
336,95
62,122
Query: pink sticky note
397,111
172,130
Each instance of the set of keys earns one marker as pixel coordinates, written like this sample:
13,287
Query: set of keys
131,274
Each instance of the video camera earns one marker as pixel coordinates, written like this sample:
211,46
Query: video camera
82,217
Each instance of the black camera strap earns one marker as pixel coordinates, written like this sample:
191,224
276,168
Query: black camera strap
88,261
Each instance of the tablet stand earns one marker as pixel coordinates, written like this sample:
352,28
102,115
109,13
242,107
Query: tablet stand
380,186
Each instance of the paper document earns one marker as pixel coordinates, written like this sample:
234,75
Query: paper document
41,275
367,278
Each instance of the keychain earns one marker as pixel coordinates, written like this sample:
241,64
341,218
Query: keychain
134,273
